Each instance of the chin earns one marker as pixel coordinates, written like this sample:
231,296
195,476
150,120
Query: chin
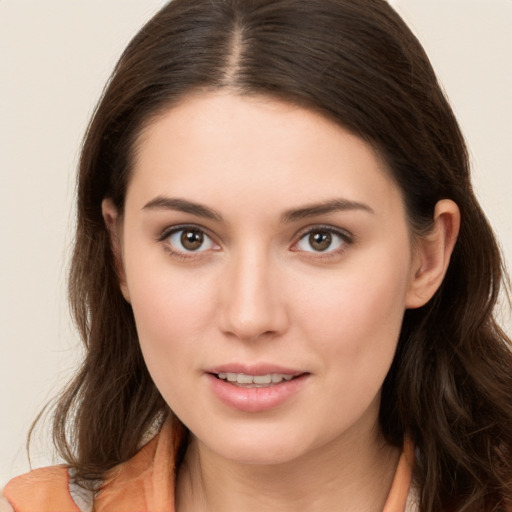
268,446
262,455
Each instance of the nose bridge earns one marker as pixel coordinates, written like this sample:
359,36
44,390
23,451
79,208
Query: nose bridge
252,305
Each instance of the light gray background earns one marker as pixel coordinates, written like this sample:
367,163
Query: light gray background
55,56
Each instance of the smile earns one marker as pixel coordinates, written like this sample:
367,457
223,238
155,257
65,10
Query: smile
254,381
251,390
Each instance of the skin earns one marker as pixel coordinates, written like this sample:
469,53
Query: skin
259,291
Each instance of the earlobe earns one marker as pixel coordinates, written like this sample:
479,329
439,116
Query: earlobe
112,221
432,254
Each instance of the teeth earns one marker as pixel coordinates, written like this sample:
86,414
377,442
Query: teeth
244,379
255,380
262,379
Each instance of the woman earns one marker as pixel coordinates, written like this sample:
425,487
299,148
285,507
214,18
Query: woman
282,277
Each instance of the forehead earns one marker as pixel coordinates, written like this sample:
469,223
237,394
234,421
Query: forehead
225,147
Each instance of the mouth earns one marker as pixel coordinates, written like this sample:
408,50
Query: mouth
244,380
256,388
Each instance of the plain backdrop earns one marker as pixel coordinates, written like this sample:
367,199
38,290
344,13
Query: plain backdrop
56,55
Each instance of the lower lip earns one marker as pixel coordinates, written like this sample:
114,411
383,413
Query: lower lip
255,399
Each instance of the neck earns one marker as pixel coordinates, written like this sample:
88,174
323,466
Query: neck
350,474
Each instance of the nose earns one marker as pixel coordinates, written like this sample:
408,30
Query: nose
252,298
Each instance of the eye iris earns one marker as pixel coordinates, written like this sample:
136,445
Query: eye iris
320,241
192,240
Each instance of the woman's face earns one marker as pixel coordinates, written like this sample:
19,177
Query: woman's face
263,244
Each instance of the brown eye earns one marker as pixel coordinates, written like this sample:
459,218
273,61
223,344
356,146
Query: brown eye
323,240
320,240
191,240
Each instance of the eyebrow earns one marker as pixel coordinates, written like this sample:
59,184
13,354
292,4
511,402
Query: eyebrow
295,214
182,205
329,206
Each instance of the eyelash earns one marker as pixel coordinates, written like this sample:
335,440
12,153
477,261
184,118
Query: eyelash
345,238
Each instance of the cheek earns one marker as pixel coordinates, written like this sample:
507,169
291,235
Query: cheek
171,319
172,309
162,306
354,327
356,316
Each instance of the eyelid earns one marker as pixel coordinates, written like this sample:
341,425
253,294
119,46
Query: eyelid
344,233
169,230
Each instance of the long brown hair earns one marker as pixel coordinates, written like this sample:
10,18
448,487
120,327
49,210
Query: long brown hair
355,61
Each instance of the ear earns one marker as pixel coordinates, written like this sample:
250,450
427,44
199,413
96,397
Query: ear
113,222
432,254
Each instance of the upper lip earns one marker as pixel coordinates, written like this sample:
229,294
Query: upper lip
254,369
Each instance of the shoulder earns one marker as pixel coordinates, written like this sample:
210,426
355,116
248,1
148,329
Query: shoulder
40,490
